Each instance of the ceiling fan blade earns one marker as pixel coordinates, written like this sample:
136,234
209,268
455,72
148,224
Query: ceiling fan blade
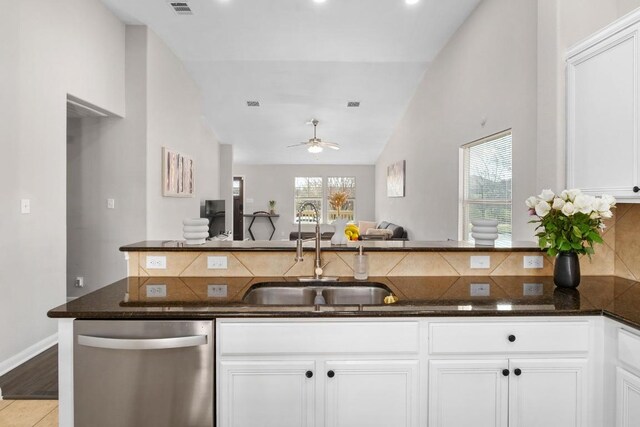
332,145
300,144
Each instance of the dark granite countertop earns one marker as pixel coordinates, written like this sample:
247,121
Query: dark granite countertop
187,298
369,245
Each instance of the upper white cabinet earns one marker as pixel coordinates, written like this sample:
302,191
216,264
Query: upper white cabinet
603,124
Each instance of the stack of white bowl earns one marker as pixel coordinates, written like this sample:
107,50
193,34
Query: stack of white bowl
195,230
484,231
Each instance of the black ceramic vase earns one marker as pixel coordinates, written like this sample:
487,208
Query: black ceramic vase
566,273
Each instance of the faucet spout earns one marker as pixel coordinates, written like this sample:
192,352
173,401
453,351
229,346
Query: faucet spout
317,272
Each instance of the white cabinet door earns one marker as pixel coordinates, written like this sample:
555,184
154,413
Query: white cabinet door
602,115
627,399
547,393
468,393
371,393
267,394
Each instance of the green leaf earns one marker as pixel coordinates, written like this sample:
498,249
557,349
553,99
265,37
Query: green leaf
577,232
552,251
595,237
565,246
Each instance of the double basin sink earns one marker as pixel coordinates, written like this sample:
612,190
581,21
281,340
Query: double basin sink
345,293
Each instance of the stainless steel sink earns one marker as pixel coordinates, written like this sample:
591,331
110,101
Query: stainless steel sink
349,293
280,295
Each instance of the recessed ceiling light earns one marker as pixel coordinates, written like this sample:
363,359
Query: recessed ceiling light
319,1
314,149
411,1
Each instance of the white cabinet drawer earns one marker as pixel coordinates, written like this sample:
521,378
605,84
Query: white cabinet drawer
508,337
629,349
327,337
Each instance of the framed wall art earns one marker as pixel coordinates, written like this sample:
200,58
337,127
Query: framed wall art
396,179
177,174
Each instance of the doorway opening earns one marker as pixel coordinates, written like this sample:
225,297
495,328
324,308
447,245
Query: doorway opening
238,208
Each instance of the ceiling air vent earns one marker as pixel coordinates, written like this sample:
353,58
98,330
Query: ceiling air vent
353,104
253,103
181,8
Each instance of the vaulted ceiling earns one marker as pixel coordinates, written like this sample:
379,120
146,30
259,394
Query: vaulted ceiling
301,60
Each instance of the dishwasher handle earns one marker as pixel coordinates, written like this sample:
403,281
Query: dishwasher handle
142,344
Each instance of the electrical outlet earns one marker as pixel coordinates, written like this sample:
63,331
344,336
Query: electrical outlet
480,261
216,291
111,204
157,262
217,262
532,289
480,289
533,261
79,282
156,291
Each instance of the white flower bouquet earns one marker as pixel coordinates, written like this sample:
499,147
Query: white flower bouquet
571,221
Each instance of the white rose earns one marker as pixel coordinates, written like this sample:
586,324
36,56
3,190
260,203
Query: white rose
570,195
568,209
547,195
601,206
558,203
609,199
531,202
606,214
584,203
542,208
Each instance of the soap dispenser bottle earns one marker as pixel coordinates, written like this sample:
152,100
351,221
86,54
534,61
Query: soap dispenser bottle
360,265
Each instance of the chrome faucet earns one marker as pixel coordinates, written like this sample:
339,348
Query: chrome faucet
317,272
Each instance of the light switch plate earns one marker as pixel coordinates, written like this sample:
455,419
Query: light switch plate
533,261
156,262
480,289
217,291
156,291
25,206
480,261
532,289
217,262
111,203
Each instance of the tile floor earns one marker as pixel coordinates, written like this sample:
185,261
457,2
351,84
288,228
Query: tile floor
28,413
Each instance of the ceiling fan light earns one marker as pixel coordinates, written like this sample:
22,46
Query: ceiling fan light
314,149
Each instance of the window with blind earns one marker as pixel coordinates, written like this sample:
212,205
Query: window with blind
341,188
486,184
308,189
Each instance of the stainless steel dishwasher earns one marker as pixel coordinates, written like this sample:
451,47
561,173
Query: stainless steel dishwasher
143,373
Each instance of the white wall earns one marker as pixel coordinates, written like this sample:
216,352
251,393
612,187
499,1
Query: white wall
107,160
487,71
175,120
104,160
275,182
48,49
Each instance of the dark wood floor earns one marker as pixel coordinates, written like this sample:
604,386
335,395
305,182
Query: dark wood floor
35,379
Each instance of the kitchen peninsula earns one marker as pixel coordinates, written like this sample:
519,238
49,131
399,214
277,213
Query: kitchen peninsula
499,328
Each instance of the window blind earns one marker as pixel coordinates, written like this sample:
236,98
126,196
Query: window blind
486,189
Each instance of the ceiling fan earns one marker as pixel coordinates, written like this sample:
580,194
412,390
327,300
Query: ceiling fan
315,144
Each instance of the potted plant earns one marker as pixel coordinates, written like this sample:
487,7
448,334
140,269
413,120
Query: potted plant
569,224
272,207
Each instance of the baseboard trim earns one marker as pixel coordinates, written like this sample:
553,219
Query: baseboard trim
28,353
